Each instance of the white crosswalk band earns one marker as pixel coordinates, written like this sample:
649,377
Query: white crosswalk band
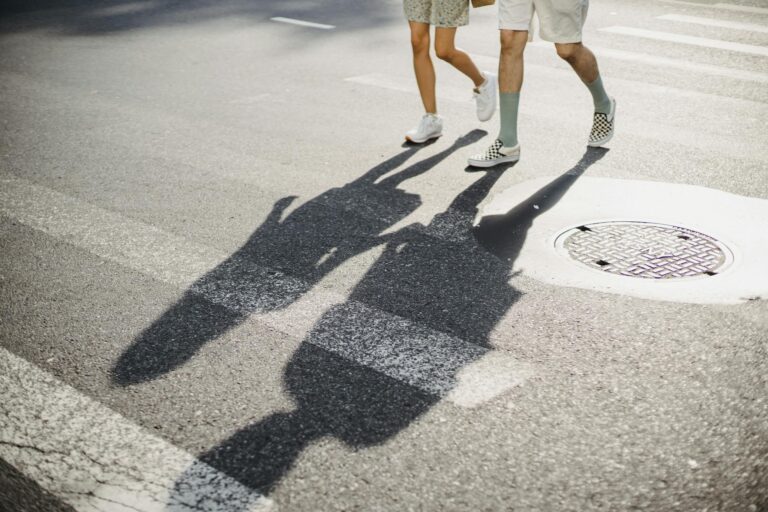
657,60
689,40
302,23
95,460
720,6
430,360
742,8
709,22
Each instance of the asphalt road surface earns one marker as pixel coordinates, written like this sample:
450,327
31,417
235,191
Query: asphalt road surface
226,284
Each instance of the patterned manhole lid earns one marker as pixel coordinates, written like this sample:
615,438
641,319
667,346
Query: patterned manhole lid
643,249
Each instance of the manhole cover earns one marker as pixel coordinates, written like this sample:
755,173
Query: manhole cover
647,250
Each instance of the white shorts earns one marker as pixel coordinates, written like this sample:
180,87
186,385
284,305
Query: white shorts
560,21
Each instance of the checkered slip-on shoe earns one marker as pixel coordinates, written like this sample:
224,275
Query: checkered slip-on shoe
602,127
496,154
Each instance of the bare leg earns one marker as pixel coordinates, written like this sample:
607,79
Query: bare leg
446,50
422,65
584,63
511,60
581,59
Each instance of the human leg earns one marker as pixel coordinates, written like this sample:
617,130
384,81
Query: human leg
511,71
422,65
506,148
584,63
445,49
562,22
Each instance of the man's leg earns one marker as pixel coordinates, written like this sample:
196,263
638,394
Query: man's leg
505,148
511,65
583,61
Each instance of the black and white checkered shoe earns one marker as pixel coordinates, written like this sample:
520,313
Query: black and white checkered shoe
496,154
602,127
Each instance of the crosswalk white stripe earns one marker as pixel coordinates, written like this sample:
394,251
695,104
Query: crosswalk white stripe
690,40
435,362
655,60
566,114
721,5
709,22
742,8
95,459
302,23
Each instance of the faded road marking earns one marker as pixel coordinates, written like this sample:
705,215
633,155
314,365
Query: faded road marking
430,360
95,459
302,23
689,40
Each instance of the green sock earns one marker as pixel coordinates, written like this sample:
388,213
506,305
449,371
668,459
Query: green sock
599,96
508,103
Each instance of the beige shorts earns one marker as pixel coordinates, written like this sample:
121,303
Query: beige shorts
560,21
440,13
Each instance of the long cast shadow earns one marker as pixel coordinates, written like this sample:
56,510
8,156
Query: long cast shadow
433,280
504,235
280,262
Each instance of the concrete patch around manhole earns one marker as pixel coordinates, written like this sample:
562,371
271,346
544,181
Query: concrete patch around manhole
538,227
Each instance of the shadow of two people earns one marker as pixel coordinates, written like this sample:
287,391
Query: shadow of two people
450,284
434,278
280,262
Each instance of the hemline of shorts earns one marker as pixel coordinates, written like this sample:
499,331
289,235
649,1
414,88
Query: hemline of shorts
439,25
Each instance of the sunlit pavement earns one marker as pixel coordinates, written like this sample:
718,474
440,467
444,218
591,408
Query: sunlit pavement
226,283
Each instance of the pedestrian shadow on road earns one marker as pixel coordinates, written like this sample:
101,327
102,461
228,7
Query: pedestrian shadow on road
504,235
356,377
280,262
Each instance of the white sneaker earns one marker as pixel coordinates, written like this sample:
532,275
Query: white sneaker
603,126
430,127
485,97
496,154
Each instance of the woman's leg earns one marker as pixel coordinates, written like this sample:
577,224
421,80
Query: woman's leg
447,51
422,65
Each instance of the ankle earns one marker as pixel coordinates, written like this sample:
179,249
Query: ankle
603,107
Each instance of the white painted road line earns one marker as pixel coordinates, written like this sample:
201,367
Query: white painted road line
432,361
541,108
95,459
741,8
302,23
655,60
721,5
690,40
709,22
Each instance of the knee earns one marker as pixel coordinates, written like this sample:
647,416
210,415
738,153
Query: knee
420,43
513,43
444,52
567,51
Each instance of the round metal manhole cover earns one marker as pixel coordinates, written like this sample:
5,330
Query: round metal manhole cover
646,250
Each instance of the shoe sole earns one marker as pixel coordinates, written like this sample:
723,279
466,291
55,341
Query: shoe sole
484,119
422,141
602,142
493,163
